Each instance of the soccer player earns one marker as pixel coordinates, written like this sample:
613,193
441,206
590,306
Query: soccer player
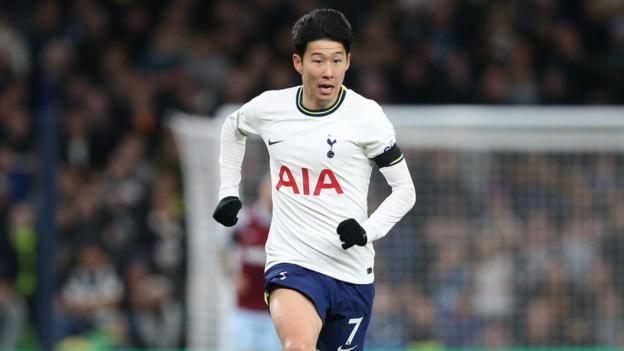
323,140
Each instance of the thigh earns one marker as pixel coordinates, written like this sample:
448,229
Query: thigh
347,321
297,300
295,318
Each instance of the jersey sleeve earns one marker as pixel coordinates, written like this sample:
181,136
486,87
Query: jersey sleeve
381,136
382,148
396,205
247,122
236,128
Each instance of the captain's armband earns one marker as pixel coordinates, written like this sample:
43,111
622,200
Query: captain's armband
389,157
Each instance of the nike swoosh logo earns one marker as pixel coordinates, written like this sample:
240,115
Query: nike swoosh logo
341,349
274,142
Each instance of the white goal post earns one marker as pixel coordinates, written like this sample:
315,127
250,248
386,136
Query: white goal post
448,128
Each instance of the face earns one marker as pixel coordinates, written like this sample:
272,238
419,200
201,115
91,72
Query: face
322,70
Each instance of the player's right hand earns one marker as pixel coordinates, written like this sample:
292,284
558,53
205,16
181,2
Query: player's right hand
227,210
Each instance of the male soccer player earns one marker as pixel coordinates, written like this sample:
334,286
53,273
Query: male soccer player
322,140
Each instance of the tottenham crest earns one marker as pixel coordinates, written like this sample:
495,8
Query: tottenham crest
331,143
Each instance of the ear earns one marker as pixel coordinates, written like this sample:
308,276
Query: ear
348,61
298,63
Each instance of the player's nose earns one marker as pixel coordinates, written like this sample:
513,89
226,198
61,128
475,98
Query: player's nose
328,71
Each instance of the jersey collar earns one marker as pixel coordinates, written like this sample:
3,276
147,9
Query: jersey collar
324,111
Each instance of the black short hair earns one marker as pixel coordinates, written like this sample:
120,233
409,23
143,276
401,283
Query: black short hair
322,24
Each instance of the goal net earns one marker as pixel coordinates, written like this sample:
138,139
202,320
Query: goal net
514,241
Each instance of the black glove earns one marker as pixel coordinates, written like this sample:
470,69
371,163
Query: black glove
351,233
226,211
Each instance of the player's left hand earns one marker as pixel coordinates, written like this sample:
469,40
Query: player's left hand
351,233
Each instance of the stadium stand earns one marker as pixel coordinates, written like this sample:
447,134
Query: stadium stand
123,65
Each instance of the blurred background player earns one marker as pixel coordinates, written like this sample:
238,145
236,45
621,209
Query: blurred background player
251,325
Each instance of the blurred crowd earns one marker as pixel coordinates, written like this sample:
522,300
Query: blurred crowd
117,67
505,249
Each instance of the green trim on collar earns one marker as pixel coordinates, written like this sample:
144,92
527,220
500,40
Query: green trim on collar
322,112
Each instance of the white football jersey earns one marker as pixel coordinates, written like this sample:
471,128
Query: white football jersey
320,164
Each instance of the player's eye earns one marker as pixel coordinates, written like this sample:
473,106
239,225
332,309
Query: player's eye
337,60
317,61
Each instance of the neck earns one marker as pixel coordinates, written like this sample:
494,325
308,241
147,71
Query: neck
310,102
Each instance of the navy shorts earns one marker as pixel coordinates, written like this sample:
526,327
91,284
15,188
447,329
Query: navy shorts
344,308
